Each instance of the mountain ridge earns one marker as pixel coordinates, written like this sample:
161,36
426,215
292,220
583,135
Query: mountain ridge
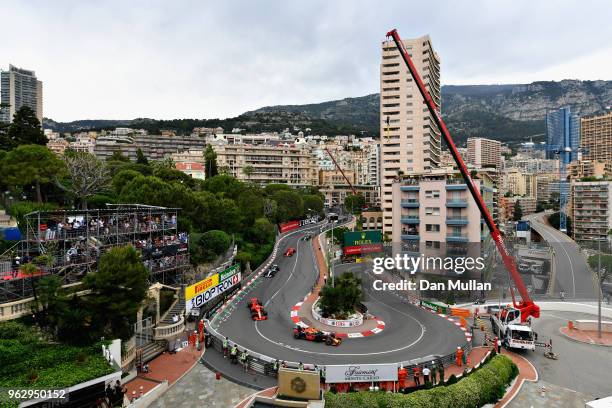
507,112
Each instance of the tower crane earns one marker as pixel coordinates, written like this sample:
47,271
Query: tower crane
525,308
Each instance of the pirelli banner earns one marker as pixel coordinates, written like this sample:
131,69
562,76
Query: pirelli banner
198,294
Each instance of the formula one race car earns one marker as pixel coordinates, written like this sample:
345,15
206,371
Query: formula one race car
257,311
312,334
289,252
272,271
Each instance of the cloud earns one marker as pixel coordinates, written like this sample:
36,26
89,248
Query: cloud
209,59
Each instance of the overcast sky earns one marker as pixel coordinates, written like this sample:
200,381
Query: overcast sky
207,59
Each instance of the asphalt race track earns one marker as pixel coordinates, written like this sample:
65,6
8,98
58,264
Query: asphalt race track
410,332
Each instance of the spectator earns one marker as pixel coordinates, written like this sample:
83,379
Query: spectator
426,373
416,372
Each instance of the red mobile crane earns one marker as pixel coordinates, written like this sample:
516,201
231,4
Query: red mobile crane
525,306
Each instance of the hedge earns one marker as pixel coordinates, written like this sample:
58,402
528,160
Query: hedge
483,386
23,352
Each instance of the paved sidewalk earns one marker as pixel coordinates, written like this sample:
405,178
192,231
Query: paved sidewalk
587,336
542,394
200,389
527,373
166,367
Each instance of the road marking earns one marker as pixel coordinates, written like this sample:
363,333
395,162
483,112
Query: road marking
297,256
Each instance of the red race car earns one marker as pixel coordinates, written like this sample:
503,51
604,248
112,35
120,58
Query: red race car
290,251
257,311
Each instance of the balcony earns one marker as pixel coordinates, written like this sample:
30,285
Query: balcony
452,185
457,203
456,220
410,188
410,237
456,238
410,203
410,219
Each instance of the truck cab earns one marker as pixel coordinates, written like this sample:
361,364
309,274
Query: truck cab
506,323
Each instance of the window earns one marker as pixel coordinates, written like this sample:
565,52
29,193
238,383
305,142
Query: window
432,227
432,194
432,210
432,244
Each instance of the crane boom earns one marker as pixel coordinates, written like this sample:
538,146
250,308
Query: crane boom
341,171
526,305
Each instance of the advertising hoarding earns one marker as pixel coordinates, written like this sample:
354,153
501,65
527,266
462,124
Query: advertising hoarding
198,294
360,373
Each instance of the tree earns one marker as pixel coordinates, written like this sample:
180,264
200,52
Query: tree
262,231
140,157
290,205
118,156
31,164
338,234
87,175
210,162
518,211
122,178
248,171
212,244
174,175
24,129
118,289
354,203
555,219
313,203
341,299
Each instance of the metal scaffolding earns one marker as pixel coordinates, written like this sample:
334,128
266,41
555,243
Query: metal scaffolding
69,243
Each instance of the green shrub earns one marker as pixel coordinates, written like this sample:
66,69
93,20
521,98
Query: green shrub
30,361
484,386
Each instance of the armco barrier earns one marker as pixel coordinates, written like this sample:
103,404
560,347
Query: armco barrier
264,365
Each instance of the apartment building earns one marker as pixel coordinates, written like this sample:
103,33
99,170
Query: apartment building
591,210
543,185
519,183
371,220
58,146
20,87
154,147
589,168
596,136
435,207
336,194
334,177
484,152
410,140
190,162
263,164
527,204
374,165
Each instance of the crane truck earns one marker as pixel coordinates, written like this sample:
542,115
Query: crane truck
510,321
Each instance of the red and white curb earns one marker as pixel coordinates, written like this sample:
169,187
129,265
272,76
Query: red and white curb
468,334
295,318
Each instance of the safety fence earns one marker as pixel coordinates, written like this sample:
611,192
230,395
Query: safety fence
266,365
